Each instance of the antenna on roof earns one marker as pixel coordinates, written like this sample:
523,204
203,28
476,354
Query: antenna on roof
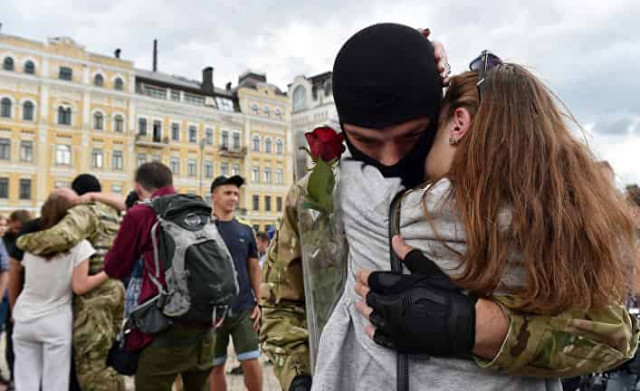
155,55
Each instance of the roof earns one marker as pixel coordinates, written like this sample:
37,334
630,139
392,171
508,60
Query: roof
180,82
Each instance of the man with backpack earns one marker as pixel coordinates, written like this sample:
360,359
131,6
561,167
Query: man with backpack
182,289
243,322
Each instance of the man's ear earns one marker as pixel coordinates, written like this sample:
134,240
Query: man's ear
461,124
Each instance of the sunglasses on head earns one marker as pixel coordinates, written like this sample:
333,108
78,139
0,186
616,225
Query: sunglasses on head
482,64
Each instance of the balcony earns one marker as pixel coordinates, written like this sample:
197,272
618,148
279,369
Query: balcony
148,141
227,151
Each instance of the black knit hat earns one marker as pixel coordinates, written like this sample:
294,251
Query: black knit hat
86,183
385,75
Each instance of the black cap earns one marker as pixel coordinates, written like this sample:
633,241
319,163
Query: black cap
223,180
86,183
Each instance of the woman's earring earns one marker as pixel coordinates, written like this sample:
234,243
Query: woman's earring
453,140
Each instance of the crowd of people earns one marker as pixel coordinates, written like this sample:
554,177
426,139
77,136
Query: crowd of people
486,246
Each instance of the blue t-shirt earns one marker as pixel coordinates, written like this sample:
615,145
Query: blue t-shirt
242,245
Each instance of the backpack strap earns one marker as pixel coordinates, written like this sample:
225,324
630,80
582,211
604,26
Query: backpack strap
155,277
402,359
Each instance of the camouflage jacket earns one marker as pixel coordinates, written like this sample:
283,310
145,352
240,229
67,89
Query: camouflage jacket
95,222
569,344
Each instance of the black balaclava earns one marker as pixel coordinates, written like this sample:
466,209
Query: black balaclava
383,76
86,183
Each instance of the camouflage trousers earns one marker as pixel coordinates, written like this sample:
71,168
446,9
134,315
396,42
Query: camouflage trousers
97,318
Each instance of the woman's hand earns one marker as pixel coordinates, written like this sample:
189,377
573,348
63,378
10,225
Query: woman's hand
441,58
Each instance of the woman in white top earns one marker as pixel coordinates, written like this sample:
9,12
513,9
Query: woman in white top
43,314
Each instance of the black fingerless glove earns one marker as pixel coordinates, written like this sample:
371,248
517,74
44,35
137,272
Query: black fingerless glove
301,383
422,313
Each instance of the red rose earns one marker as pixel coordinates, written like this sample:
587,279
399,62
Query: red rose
325,143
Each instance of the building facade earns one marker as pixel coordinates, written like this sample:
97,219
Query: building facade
65,111
312,105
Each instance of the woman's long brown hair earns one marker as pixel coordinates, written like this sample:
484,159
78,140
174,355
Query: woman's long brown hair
572,230
53,210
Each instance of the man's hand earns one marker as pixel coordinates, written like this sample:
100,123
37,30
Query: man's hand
441,58
86,198
255,315
421,313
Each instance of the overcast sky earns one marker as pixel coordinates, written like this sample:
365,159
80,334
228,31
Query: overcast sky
587,51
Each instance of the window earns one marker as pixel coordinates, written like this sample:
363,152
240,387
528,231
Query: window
118,84
98,80
278,204
256,227
7,65
4,187
255,174
256,143
266,110
235,170
191,168
174,164
27,111
65,73
224,104
98,121
5,108
279,147
154,92
278,115
175,132
299,98
116,161
26,151
5,149
236,140
117,189
97,158
208,136
156,158
157,131
194,99
193,134
224,169
279,178
64,115
142,159
25,189
118,124
254,108
267,145
63,154
208,169
175,95
267,203
225,139
256,202
142,126
29,67
267,175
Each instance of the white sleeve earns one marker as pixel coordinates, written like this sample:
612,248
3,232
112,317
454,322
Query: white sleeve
82,251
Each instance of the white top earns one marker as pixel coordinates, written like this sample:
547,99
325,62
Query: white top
47,287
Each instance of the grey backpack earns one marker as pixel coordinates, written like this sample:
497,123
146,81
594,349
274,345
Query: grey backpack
201,280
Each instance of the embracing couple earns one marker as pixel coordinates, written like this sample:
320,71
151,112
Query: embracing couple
517,252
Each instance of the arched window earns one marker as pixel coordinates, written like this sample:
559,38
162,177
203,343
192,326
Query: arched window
118,84
27,111
5,108
267,145
98,121
118,124
256,143
279,147
29,67
98,80
7,65
64,115
299,98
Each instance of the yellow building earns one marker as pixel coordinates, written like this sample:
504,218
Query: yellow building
65,111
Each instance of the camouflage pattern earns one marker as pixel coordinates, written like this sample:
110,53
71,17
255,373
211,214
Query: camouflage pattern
569,344
97,315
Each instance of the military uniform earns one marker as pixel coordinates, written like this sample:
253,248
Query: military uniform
569,344
98,314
